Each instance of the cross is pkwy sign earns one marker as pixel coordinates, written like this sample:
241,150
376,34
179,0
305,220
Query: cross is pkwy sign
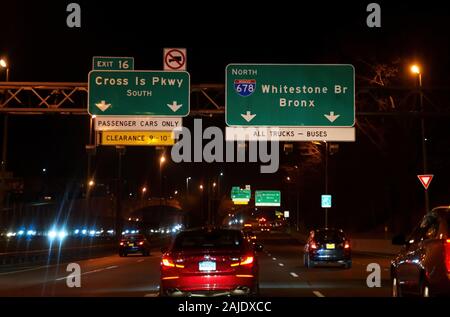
139,93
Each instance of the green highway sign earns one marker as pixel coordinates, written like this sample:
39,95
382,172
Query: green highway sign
112,63
267,198
308,95
138,93
240,194
326,201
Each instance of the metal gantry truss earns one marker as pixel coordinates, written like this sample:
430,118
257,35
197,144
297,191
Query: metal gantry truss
71,98
206,99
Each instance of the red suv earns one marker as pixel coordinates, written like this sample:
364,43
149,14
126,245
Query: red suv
210,262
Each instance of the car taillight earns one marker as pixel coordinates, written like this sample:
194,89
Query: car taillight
167,262
447,255
141,243
346,245
247,260
313,245
121,243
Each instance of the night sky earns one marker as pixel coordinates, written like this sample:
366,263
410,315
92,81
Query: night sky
40,47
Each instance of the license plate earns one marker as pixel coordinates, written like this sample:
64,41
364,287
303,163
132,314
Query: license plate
207,266
330,246
131,244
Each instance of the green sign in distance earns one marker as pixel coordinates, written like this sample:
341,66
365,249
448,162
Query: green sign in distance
290,95
326,201
240,194
267,198
112,63
146,93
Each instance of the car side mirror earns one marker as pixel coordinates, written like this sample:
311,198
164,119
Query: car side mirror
258,247
399,239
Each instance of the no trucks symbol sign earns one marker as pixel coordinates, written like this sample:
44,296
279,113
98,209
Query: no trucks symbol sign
174,59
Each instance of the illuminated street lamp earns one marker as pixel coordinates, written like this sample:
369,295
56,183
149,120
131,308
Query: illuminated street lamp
162,159
4,64
214,184
144,190
91,183
201,187
415,69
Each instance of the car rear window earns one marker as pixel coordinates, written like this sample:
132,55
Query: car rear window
135,237
216,239
329,235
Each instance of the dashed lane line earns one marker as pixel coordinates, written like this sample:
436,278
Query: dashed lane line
294,274
90,272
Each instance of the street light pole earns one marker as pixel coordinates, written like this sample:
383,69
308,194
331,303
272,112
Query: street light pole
424,146
187,185
415,69
119,222
4,64
326,181
297,218
162,159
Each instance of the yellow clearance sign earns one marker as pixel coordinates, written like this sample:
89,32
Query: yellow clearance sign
148,138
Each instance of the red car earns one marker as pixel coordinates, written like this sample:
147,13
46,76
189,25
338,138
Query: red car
210,262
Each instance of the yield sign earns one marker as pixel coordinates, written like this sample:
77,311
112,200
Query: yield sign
425,180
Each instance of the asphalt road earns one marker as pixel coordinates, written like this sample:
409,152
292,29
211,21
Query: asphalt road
281,274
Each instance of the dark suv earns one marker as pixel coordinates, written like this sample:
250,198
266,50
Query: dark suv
325,246
134,243
423,265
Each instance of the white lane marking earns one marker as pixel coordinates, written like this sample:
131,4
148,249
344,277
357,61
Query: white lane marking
88,272
93,271
111,267
151,295
141,260
274,259
27,270
318,294
293,274
280,264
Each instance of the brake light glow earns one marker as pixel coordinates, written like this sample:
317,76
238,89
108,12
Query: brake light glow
447,255
121,243
169,263
244,261
346,245
247,260
141,243
313,245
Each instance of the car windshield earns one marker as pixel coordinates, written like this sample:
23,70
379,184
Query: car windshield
202,239
329,235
